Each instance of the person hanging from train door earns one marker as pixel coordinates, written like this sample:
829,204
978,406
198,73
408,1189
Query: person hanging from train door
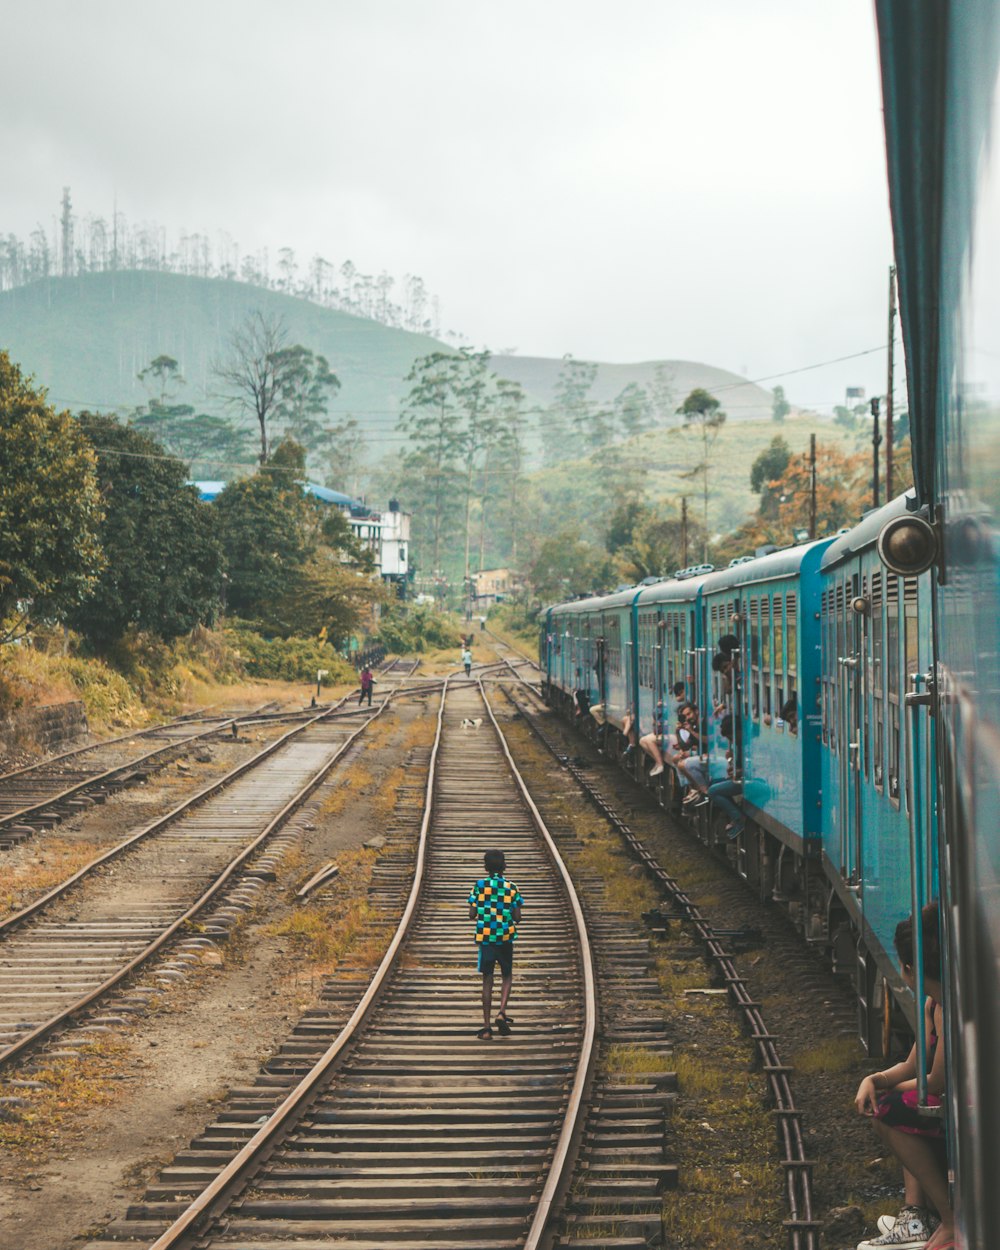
890,1098
495,905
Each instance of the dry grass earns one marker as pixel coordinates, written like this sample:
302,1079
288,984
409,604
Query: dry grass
57,860
837,1054
68,1089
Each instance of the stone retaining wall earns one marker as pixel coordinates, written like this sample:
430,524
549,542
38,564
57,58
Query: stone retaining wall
49,728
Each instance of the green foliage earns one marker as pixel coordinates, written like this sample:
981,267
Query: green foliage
306,385
770,464
702,411
566,565
408,628
780,407
163,571
287,659
50,507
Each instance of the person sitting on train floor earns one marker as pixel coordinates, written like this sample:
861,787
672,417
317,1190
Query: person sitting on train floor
692,741
581,696
722,793
890,1098
628,729
790,715
650,743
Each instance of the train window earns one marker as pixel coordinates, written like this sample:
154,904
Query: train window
791,646
911,647
875,636
766,666
614,647
755,658
893,684
779,653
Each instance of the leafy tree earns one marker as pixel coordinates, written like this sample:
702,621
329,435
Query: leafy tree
164,564
702,412
632,410
502,475
766,469
570,410
648,543
305,388
344,455
662,394
434,422
566,565
50,507
163,376
780,408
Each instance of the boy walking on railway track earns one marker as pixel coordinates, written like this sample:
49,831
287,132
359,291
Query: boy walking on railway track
367,682
495,905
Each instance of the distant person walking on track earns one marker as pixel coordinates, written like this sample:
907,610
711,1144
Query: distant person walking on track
367,681
467,661
495,905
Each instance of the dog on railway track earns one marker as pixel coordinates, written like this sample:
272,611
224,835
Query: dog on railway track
472,722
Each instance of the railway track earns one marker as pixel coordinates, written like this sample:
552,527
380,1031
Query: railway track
41,795
63,953
409,1131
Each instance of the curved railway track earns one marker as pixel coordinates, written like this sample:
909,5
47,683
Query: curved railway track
409,1132
60,955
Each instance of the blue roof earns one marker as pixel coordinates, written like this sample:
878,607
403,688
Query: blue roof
210,491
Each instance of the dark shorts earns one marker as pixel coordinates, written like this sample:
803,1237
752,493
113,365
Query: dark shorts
898,1109
491,953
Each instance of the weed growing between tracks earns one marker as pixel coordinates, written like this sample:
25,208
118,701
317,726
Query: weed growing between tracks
721,1135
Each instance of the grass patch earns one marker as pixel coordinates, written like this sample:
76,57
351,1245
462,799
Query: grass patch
837,1054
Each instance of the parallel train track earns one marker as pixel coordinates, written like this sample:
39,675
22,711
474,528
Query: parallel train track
67,950
410,1132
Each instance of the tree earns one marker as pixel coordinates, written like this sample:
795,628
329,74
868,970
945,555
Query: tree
569,411
565,565
765,470
252,375
702,412
164,565
632,410
306,385
163,375
50,507
780,407
434,423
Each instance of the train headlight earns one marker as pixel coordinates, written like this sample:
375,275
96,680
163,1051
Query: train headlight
907,545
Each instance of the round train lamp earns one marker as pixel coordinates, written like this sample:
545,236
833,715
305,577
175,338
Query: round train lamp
907,545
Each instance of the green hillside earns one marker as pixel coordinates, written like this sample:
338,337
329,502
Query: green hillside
86,338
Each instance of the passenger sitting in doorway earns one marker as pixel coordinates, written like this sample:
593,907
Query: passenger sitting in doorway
650,743
722,793
692,745
581,697
890,1098
628,729
790,715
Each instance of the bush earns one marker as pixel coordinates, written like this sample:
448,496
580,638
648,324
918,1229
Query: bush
404,629
287,659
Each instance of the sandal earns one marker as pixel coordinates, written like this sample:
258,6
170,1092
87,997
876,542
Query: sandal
503,1026
485,1035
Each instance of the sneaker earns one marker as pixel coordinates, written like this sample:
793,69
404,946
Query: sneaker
693,797
886,1223
911,1230
656,770
702,801
732,833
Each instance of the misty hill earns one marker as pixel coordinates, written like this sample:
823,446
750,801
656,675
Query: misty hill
86,338
740,399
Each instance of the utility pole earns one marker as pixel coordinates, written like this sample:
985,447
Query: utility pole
684,531
876,440
888,389
812,487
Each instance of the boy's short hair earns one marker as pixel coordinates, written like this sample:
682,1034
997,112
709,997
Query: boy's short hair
493,861
720,661
677,689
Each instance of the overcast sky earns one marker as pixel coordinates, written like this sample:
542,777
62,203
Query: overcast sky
640,180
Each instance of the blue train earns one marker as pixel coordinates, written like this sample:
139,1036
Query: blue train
886,792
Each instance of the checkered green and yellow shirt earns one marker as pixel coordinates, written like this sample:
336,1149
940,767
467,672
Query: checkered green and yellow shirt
494,899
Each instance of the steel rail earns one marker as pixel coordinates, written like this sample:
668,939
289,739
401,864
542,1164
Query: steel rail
802,1226
97,779
563,1157
217,1195
31,1039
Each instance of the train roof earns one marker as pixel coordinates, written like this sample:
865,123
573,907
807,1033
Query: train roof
674,590
863,535
788,562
